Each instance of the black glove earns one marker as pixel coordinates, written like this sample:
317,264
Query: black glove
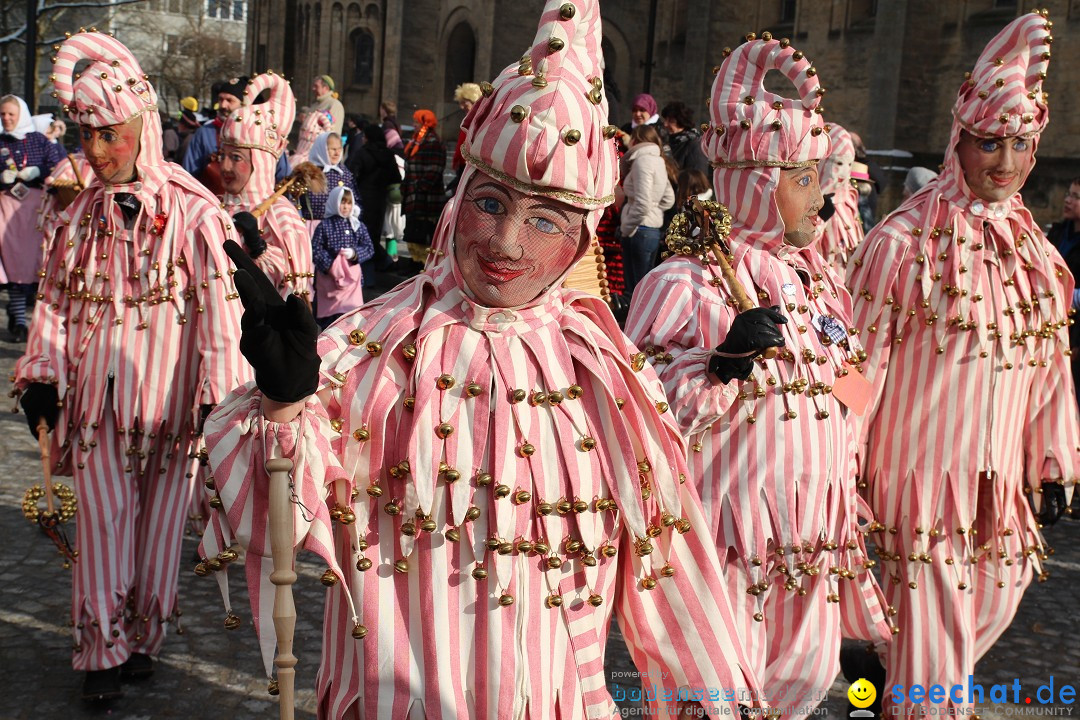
1053,504
248,227
278,336
40,401
828,209
751,333
204,412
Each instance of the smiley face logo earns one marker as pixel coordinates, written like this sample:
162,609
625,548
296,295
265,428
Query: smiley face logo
862,693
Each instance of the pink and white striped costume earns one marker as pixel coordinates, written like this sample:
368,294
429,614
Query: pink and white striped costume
64,171
135,325
964,305
264,130
842,232
774,456
517,477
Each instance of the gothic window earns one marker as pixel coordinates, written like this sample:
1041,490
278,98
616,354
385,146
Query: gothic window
362,45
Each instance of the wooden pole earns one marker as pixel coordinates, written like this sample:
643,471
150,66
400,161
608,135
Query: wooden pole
46,463
283,577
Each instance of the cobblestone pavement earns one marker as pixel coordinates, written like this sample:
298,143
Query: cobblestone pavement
208,672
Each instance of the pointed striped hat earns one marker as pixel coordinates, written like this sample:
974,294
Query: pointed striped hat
262,126
542,125
1003,95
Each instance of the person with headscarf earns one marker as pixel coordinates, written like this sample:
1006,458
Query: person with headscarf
970,444
841,228
339,281
502,459
422,189
252,139
26,158
771,436
916,179
326,154
130,347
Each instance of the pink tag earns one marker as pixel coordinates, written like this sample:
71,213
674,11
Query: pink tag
852,390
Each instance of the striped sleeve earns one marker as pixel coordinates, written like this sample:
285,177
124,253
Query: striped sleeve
221,366
665,316
1052,436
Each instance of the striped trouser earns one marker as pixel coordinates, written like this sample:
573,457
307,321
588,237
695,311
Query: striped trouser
795,649
944,630
129,530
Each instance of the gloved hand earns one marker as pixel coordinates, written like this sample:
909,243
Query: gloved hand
28,173
277,336
751,333
1053,503
349,253
248,227
8,177
40,401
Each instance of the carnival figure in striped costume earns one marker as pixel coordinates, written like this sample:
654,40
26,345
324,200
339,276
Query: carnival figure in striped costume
964,306
842,231
772,441
252,139
132,340
500,459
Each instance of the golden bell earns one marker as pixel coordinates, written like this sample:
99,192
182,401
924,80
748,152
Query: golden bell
644,547
392,508
401,566
554,562
208,483
363,564
362,434
506,600
215,502
538,398
201,570
555,397
527,450
227,555
232,621
683,526
588,443
473,389
359,632
428,525
337,424
348,517
596,600
574,392
409,351
452,475
667,520
572,137
517,113
522,496
518,395
545,508
667,571
472,513
648,583
573,546
453,535
444,430
444,382
374,491
484,479
487,88
609,551
213,563
567,10
492,543
357,337
553,600
374,348
524,546
408,528
580,506
501,490
661,407
564,507
506,548
272,687
541,547
588,560
637,361
409,402
479,573
329,579
609,131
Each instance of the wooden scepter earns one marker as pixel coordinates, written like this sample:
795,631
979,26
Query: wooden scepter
283,577
46,463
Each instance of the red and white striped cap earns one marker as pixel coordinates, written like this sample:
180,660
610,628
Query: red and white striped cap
752,127
1003,95
835,171
264,126
111,90
541,127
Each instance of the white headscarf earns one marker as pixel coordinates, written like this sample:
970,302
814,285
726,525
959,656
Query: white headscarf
25,124
320,156
333,203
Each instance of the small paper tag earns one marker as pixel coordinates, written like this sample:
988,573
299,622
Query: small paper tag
788,289
852,390
19,191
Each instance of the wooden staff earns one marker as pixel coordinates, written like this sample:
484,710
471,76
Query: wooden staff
742,299
75,168
306,175
283,577
46,463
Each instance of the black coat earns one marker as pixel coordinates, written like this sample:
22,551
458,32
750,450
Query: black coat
374,170
1058,234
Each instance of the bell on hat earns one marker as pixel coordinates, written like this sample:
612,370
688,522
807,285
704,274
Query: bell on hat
1003,95
262,126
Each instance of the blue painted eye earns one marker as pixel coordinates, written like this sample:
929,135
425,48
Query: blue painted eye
490,205
1020,145
804,181
988,146
544,225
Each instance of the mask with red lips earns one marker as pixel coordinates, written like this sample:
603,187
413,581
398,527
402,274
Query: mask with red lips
510,246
